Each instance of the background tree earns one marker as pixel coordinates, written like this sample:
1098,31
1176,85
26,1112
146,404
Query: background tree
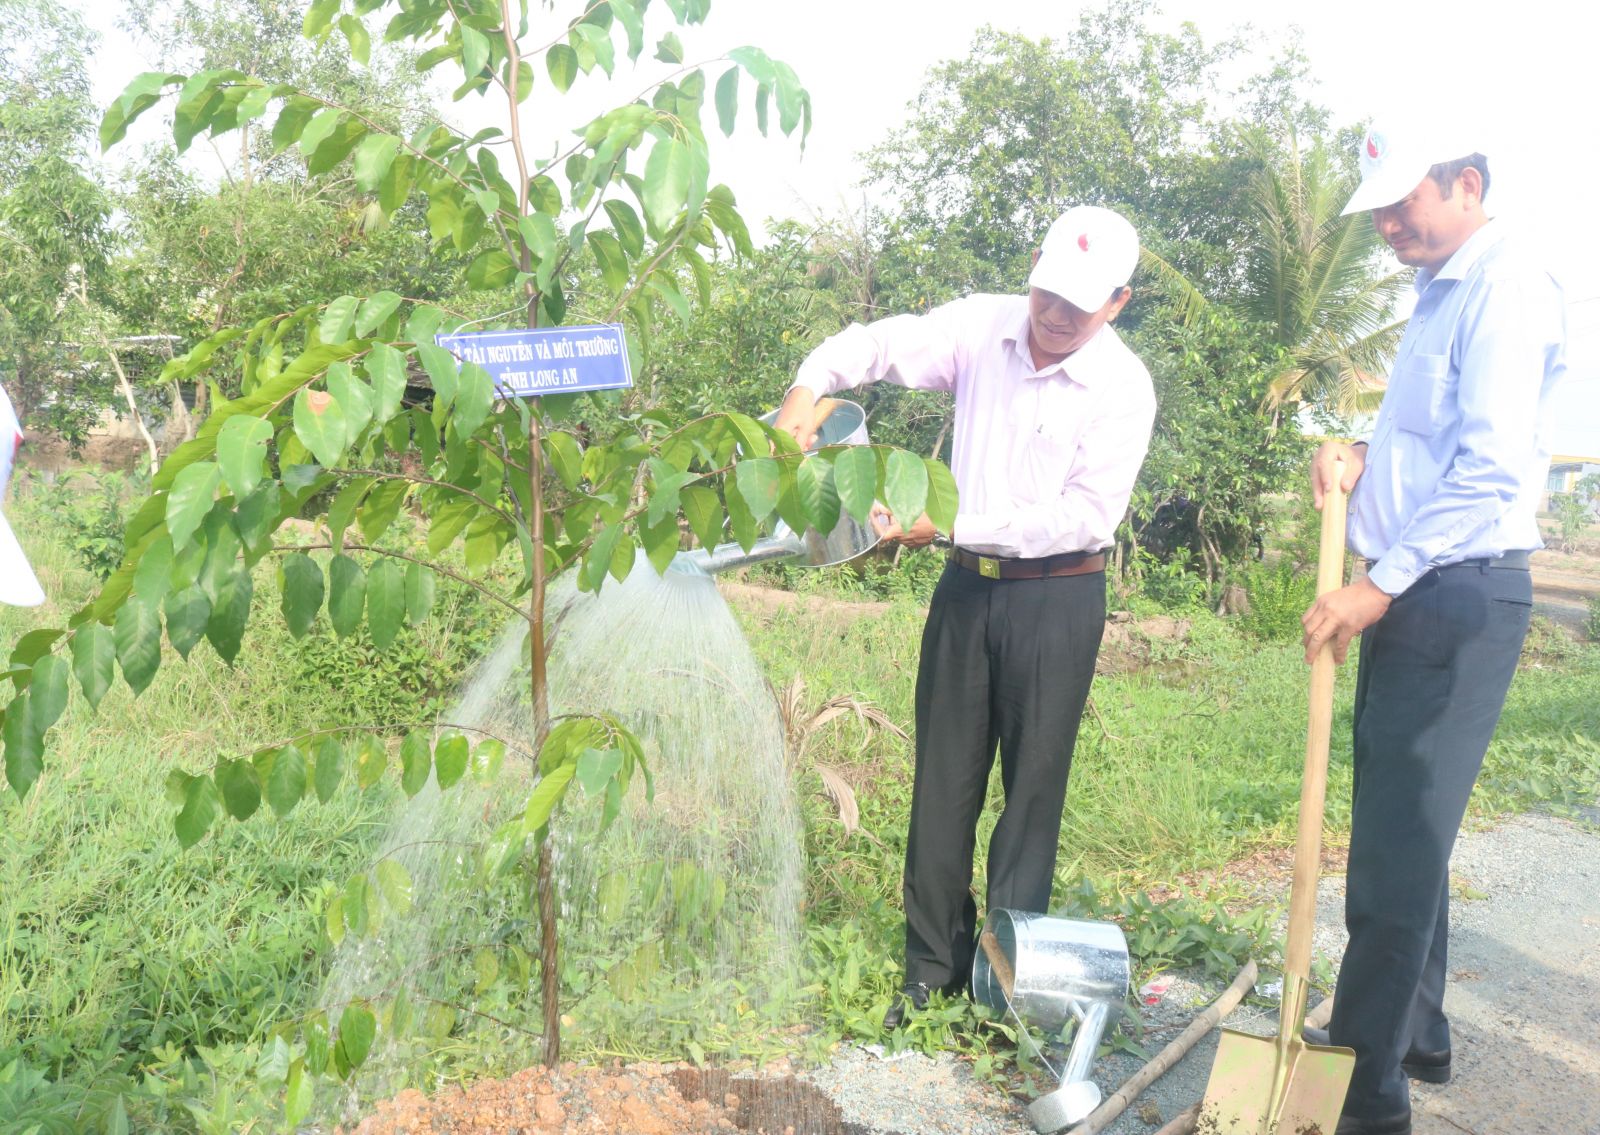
54,232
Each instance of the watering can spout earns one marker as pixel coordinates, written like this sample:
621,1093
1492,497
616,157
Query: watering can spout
843,423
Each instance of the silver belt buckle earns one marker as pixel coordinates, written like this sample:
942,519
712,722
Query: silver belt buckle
988,567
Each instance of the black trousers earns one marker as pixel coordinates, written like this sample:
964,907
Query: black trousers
1433,677
1004,663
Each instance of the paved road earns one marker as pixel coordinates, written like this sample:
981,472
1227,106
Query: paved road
1524,992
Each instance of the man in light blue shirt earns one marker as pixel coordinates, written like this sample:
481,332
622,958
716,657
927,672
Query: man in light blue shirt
1443,502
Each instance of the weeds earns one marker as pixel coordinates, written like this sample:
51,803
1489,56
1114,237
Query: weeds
139,987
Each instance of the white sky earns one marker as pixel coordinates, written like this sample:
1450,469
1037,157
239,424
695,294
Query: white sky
1524,73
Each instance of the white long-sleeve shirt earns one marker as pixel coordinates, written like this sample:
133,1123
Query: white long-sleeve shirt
1044,460
1461,447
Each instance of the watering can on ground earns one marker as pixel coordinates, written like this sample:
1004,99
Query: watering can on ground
1045,972
838,423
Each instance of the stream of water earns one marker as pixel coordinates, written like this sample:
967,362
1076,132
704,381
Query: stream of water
678,921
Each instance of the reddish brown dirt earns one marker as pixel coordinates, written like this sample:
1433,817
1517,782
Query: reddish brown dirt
636,1099
573,1100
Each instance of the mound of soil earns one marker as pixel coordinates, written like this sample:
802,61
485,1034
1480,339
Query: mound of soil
640,1099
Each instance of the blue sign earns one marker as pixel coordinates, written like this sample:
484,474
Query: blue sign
547,360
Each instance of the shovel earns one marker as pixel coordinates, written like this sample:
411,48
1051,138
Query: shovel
1282,1085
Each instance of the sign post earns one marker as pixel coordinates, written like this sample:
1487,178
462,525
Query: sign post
547,360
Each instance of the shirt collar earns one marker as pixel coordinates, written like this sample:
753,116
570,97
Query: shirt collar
1462,260
1085,366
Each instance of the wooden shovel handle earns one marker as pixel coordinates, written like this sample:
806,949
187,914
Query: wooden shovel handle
1314,778
998,962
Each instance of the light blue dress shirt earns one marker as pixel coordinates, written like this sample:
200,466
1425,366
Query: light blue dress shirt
1460,451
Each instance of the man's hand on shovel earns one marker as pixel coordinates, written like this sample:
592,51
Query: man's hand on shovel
1339,615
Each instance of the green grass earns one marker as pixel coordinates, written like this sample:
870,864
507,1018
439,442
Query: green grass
140,981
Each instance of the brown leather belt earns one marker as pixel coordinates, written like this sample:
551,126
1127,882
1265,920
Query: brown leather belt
1047,567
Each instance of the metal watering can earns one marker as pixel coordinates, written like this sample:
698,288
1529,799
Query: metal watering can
1048,971
839,423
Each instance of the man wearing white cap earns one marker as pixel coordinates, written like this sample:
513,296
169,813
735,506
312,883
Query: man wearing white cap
1052,419
1442,509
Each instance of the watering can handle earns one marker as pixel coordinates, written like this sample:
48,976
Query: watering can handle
998,962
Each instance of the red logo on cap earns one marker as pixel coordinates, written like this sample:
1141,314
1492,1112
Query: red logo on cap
1083,241
1372,147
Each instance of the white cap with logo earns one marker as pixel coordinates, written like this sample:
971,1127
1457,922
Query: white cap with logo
1087,254
1395,157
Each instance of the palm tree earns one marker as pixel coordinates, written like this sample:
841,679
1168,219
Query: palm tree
1309,278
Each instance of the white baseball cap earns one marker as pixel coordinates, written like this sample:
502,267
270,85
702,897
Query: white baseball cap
1395,157
1087,254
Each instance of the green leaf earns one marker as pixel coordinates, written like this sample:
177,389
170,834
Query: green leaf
394,884
24,746
241,453
416,761
628,227
666,181
905,486
354,397
727,99
596,767
474,397
742,520
319,423
419,593
386,602
474,51
612,260
546,795
136,98
374,310
337,319
357,1028
444,373
487,757
356,33
283,779
562,63
188,611
490,270
47,693
942,496
239,788
818,497
855,477
301,582
704,513
329,768
319,18
189,500
199,812
94,655
372,160
565,457
663,286
229,613
758,480
669,49
138,638
450,759
152,579
347,595
386,367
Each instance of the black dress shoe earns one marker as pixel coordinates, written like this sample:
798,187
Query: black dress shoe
1429,1067
914,995
1394,1125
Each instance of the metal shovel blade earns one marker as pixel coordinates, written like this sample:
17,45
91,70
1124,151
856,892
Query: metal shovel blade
1262,1085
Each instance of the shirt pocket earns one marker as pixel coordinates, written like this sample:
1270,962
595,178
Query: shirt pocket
1418,389
1041,459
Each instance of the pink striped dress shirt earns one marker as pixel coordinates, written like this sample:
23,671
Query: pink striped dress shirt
1045,460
